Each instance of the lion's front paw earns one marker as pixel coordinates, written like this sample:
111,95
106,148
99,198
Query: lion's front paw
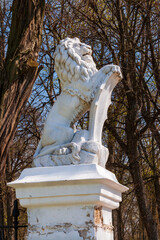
112,68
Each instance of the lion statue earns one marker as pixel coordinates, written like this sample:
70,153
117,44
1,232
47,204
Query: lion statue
79,80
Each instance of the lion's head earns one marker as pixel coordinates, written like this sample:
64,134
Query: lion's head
73,61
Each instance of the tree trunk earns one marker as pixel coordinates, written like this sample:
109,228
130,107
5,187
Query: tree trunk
157,193
133,158
146,215
1,213
17,77
20,68
120,230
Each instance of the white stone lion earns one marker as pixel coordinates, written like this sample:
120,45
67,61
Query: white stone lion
79,80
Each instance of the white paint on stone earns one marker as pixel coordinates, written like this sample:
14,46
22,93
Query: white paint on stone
83,88
69,202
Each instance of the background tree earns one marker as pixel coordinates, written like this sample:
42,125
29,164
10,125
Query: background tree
124,33
18,72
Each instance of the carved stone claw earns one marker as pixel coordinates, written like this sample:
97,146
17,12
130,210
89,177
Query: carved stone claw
75,151
112,69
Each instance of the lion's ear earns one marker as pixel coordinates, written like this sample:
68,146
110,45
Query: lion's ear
76,39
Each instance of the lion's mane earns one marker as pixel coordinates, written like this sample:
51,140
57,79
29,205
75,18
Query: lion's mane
69,66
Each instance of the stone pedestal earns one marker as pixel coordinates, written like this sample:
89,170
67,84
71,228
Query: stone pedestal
72,202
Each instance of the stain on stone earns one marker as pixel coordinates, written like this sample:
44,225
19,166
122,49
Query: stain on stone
67,225
98,220
83,233
32,228
42,228
89,223
108,228
98,217
59,227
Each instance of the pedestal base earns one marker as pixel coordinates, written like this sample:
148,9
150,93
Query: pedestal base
70,223
69,202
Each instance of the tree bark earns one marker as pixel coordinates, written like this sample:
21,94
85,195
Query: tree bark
133,158
20,68
17,76
1,212
157,193
146,215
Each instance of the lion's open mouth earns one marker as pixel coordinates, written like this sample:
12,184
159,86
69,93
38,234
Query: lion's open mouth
85,54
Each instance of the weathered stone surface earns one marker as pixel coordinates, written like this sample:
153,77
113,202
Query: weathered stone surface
69,202
79,222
